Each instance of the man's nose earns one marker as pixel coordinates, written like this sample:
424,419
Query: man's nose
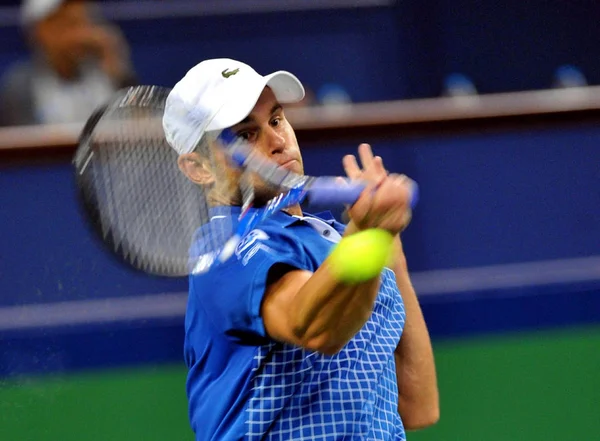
275,142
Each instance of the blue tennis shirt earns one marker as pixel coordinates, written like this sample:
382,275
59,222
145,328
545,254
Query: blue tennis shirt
242,385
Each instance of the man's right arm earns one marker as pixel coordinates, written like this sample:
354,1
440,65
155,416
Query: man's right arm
316,310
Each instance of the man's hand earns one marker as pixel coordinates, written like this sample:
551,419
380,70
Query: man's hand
385,203
107,44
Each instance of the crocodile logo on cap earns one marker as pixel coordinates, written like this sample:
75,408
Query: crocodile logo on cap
227,73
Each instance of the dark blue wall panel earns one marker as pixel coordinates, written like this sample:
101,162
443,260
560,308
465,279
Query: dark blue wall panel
47,252
511,197
507,198
486,199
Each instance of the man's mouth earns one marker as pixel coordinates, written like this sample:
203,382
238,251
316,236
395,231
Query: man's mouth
288,164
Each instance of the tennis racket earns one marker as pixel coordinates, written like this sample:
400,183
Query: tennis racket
147,211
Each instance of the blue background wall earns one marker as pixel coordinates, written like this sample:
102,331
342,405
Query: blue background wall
485,199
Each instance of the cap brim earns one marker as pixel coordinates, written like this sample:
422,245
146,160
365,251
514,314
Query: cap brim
285,86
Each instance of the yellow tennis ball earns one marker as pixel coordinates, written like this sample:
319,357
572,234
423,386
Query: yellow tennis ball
361,256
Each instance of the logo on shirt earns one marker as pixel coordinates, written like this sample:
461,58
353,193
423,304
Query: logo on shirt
251,244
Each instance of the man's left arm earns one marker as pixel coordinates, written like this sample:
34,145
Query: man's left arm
418,397
418,401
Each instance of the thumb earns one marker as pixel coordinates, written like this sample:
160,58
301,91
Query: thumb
341,181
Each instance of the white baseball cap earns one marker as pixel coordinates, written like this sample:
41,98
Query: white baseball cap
33,11
217,94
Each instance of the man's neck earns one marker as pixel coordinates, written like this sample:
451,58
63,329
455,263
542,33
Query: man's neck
294,210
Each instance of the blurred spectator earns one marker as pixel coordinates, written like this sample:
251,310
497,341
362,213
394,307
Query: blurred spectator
332,94
568,76
77,61
458,85
335,99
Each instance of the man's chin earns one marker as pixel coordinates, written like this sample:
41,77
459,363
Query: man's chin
263,195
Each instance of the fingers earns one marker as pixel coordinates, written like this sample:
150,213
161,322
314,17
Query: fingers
372,165
378,170
370,169
366,155
391,203
385,206
360,210
351,167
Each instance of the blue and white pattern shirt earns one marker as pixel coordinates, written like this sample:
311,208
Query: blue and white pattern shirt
242,385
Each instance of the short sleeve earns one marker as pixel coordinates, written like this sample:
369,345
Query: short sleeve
231,293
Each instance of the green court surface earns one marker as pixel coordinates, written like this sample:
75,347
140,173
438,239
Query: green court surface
518,387
135,404
523,387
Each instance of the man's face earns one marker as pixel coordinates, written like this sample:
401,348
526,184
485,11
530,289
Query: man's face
63,35
270,133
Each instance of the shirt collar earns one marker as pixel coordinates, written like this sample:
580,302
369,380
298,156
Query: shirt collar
282,218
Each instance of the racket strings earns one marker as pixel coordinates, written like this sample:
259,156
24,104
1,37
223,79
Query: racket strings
142,204
149,209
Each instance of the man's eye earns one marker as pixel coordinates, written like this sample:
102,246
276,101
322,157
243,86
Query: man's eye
248,136
276,121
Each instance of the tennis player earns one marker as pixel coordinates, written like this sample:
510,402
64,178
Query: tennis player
277,347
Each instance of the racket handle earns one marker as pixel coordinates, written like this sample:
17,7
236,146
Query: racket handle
330,191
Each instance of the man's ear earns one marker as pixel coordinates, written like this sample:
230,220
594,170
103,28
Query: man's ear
195,168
